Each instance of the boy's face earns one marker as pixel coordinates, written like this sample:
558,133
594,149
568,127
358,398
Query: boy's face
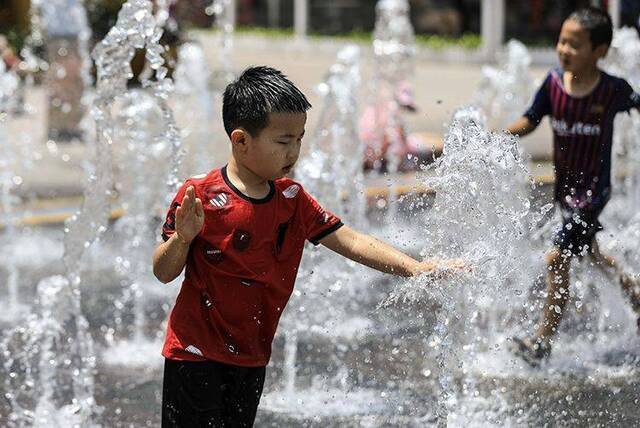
575,50
272,153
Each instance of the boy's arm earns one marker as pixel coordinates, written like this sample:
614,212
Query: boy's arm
540,107
376,254
521,127
170,257
628,98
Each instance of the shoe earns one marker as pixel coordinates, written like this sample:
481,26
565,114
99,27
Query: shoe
532,351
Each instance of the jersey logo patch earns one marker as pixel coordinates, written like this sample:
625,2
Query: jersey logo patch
220,200
322,217
241,239
192,349
291,191
213,254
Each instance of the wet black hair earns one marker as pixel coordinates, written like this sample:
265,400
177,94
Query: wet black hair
258,91
597,22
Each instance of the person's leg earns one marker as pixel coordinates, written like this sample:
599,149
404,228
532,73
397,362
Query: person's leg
558,264
606,263
535,348
192,394
630,285
577,237
241,402
170,397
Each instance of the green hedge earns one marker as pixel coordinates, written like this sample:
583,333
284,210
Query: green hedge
466,41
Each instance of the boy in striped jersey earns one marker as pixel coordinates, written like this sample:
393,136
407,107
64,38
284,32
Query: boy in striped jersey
582,102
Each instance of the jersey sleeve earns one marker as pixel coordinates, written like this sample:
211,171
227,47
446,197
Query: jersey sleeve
317,222
169,226
541,105
628,98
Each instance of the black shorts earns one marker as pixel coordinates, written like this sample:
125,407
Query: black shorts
210,394
578,231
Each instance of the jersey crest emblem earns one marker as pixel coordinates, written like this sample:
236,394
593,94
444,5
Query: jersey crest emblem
241,239
219,200
192,349
291,191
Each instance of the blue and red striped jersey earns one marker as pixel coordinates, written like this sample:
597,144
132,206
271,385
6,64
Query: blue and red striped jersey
582,136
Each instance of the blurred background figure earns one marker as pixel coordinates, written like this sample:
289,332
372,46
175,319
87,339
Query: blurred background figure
411,149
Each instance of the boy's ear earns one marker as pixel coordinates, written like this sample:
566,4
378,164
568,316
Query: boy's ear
239,138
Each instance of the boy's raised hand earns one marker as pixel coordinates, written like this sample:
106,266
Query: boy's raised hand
189,217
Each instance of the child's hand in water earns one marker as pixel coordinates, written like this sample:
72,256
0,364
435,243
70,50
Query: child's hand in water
444,267
189,217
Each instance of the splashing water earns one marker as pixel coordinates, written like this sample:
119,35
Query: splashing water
197,101
36,37
62,17
139,129
332,167
393,41
224,15
18,250
8,85
8,182
45,360
504,91
480,215
162,12
135,29
394,52
623,58
146,125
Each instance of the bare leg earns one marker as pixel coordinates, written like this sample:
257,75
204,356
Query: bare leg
558,265
630,286
608,264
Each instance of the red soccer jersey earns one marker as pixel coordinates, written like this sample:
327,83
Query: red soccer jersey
241,269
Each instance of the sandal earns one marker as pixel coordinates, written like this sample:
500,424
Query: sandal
532,351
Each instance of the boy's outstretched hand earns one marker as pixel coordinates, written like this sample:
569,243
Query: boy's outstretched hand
189,217
444,267
378,255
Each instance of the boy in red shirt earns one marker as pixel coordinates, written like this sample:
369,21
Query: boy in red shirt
582,102
240,231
